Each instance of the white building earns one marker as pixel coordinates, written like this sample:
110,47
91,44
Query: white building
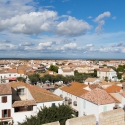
87,100
95,102
91,81
7,75
26,100
102,73
66,71
71,93
5,103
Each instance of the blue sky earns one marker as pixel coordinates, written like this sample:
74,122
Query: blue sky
62,29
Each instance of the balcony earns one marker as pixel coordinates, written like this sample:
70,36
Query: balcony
75,103
69,101
66,98
61,95
23,109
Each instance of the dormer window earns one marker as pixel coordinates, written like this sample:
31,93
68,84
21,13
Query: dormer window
20,91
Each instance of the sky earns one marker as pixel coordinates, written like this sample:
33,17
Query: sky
62,29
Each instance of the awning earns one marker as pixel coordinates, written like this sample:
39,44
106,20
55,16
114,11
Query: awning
24,103
12,78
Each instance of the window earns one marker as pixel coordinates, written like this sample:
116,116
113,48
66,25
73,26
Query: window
6,113
4,99
104,108
53,104
20,91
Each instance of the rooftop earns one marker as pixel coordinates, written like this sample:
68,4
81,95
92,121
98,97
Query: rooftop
98,96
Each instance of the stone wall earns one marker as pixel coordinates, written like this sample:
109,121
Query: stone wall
84,120
114,117
52,123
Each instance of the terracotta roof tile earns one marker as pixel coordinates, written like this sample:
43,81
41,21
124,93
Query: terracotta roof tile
90,79
105,69
113,89
24,103
75,88
98,96
39,94
5,89
123,94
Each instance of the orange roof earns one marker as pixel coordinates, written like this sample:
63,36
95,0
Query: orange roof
104,69
12,70
113,89
123,94
39,94
75,88
21,71
90,79
98,96
5,89
24,103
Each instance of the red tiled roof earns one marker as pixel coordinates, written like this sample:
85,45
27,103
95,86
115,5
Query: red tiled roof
39,94
90,79
24,103
5,89
113,89
98,96
75,88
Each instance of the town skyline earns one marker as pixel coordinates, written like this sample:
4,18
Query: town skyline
56,29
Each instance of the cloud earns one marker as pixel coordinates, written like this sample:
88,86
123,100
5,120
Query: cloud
72,27
100,21
6,47
10,8
6,41
89,17
48,7
46,46
26,44
69,46
45,21
114,17
121,44
32,23
65,0
69,12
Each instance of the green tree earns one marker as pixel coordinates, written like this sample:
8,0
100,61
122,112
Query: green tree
53,68
21,79
34,78
47,115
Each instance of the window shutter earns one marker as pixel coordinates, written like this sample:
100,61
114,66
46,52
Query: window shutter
9,113
4,99
2,113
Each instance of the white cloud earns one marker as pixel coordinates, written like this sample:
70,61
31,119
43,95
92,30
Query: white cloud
72,27
26,44
89,17
32,23
69,12
100,21
7,47
114,17
45,21
9,8
69,46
